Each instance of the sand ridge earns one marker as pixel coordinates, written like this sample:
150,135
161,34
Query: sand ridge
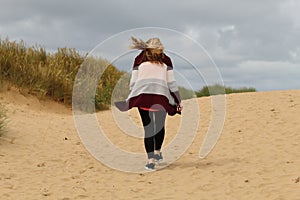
256,157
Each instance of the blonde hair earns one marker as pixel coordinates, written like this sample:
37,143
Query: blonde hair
152,43
153,55
152,49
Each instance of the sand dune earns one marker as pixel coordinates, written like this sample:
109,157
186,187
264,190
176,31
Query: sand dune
256,157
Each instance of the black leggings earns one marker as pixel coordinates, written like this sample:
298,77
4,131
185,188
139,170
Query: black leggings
154,127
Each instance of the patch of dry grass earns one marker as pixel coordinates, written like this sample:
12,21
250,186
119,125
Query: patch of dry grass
52,75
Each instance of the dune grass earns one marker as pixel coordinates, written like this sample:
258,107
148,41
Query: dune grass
52,75
2,119
186,93
220,89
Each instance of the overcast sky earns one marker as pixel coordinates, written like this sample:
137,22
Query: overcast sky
254,43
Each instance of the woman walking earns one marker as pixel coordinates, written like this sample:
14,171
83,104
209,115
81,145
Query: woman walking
153,90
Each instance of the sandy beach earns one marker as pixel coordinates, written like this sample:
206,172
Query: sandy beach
256,157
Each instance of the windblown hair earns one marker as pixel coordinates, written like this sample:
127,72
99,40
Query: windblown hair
153,55
138,44
152,50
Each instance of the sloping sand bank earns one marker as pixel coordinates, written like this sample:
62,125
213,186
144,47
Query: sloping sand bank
256,157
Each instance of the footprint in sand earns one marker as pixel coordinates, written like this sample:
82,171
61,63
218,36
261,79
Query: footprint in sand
46,192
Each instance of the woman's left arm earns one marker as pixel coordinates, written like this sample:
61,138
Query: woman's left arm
173,85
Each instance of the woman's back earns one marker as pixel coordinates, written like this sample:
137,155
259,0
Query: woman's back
149,70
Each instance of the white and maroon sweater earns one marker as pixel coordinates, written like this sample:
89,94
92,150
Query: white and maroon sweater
153,85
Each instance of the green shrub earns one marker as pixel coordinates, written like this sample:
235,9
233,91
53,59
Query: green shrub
186,93
219,89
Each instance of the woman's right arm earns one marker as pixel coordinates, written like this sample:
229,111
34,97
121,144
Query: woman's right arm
134,72
133,78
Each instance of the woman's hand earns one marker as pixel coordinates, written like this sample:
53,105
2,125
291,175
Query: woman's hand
179,108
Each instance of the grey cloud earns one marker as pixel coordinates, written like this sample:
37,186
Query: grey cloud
232,31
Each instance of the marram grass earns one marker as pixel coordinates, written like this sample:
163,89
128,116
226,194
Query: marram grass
52,74
2,119
220,89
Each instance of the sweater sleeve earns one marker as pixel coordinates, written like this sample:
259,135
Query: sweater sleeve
138,60
171,81
133,78
134,72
